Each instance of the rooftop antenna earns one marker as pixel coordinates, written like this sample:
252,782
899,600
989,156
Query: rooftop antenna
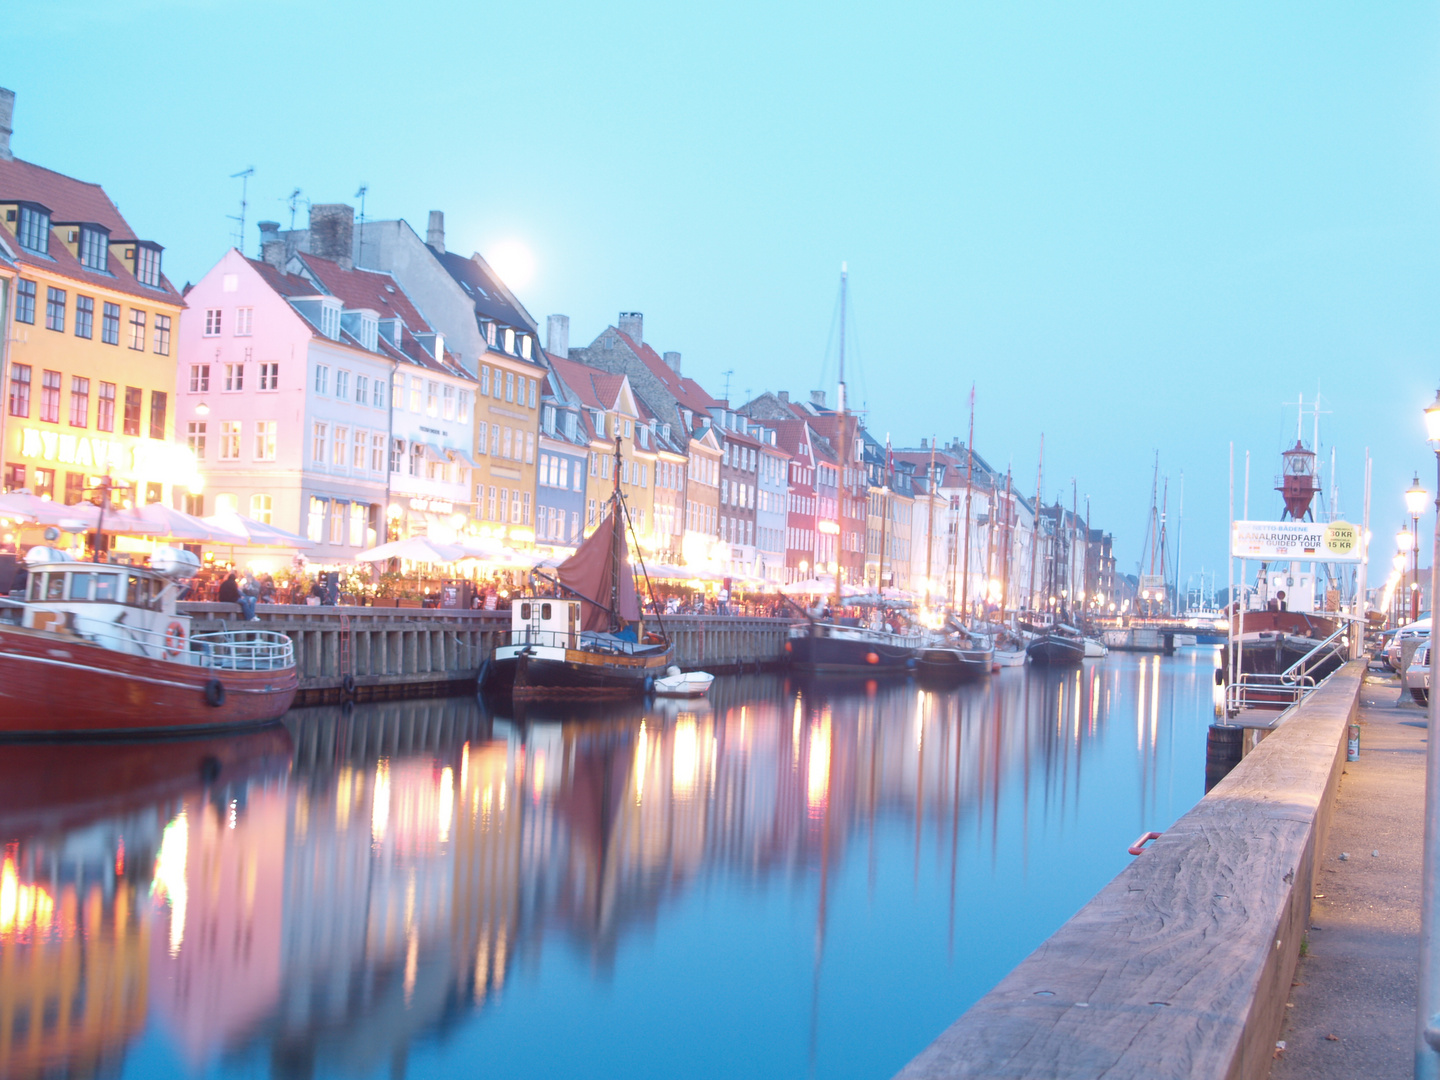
294,201
360,254
727,375
244,177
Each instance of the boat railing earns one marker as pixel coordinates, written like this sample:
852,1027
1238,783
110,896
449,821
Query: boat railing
1257,690
588,641
858,633
1311,659
243,650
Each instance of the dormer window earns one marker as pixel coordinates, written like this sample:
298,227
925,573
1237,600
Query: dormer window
510,341
34,230
94,248
369,332
525,346
490,334
145,258
599,420
330,319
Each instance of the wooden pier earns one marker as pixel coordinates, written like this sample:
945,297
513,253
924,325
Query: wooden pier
369,653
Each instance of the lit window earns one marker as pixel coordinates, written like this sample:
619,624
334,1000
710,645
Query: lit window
337,523
262,507
317,447
432,399
416,385
264,440
315,525
133,396
230,440
377,453
449,407
510,342
357,457
462,410
195,439
358,521
342,444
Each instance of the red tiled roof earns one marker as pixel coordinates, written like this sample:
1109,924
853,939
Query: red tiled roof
366,289
580,379
607,387
72,201
690,394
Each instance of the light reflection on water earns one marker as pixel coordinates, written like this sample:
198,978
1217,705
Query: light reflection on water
784,879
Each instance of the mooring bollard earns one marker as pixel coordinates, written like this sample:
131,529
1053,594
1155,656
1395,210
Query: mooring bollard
1352,745
1223,749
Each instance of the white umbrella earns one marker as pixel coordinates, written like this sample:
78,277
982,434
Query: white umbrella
85,515
179,525
247,532
415,549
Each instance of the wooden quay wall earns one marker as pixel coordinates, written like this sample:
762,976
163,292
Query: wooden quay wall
1181,966
379,652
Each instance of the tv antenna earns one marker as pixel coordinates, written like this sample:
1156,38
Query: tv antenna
294,202
727,375
244,177
359,255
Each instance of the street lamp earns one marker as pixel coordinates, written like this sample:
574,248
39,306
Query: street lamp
1427,1027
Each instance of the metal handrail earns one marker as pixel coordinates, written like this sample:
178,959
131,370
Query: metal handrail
1300,667
243,650
586,640
1263,688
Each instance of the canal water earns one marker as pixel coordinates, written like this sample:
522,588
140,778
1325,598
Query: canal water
787,879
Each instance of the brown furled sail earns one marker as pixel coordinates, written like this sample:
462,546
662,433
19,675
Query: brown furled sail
591,573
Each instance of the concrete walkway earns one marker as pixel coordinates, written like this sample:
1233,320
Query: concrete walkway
1352,1009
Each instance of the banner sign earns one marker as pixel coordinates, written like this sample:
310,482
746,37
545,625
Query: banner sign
1328,541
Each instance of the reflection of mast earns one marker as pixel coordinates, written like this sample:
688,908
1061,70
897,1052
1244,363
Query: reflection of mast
969,482
1035,524
841,440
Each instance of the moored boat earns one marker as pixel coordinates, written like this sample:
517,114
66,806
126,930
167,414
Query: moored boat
1060,645
953,661
819,648
99,649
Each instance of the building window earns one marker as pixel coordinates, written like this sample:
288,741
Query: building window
337,523
359,517
74,488
320,437
55,309
378,390
25,301
244,318
484,381
19,389
532,393
199,378
84,316
212,322
377,453
417,458
45,483
234,378
432,399
448,411
195,439
105,407
14,477
262,508
482,433
110,324
462,410
506,442
147,265
34,230
79,401
330,321
529,448
264,440
362,390
342,444
137,330
50,396
357,453
342,384
269,376
322,379
230,440
159,401
397,456
509,385
162,335
505,505
94,248
415,388
315,526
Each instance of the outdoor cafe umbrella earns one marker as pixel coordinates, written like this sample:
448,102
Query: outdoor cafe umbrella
87,516
187,528
419,549
247,532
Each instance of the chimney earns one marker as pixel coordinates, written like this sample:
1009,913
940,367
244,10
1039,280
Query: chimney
435,232
332,233
672,361
817,397
784,396
272,248
557,335
633,324
7,112
924,445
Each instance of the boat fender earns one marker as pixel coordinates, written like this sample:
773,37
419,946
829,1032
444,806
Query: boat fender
214,693
174,638
872,658
649,683
347,683
1219,676
484,674
789,647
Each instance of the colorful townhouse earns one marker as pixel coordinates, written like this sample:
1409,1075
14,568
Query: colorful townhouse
566,439
91,330
798,440
314,397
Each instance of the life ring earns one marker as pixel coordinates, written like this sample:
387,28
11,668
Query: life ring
174,638
347,683
214,693
872,658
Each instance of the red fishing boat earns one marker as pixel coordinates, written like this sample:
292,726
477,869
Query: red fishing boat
99,649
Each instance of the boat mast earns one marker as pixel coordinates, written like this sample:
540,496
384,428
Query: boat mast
885,518
1035,523
969,478
930,523
1009,544
617,542
843,438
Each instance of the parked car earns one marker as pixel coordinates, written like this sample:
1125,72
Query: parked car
1417,678
1418,628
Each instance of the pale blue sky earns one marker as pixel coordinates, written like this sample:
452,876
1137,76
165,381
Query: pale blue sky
1135,226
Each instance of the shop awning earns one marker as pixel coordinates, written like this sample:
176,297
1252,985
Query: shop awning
435,454
463,457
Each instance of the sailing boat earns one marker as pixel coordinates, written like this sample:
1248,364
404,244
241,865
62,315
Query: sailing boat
823,646
589,639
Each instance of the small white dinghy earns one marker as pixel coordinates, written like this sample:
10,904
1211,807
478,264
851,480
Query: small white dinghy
1009,657
674,683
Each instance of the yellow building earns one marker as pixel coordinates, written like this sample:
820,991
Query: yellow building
90,377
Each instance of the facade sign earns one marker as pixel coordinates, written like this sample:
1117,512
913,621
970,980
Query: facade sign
1317,541
434,506
128,459
1154,584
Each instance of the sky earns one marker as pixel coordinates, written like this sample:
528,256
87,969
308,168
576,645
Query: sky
1134,227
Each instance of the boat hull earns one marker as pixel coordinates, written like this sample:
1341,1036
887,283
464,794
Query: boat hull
822,654
58,684
1055,651
535,675
1274,654
953,665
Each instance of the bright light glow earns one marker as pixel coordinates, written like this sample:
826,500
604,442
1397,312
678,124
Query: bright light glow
685,764
447,802
22,906
1432,422
1415,497
818,766
380,805
513,261
169,878
1404,541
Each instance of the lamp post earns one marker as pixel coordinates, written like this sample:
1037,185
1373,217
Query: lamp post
1427,1029
1415,502
1405,542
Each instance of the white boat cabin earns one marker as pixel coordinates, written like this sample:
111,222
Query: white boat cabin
545,620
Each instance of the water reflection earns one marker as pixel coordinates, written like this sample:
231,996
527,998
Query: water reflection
385,889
